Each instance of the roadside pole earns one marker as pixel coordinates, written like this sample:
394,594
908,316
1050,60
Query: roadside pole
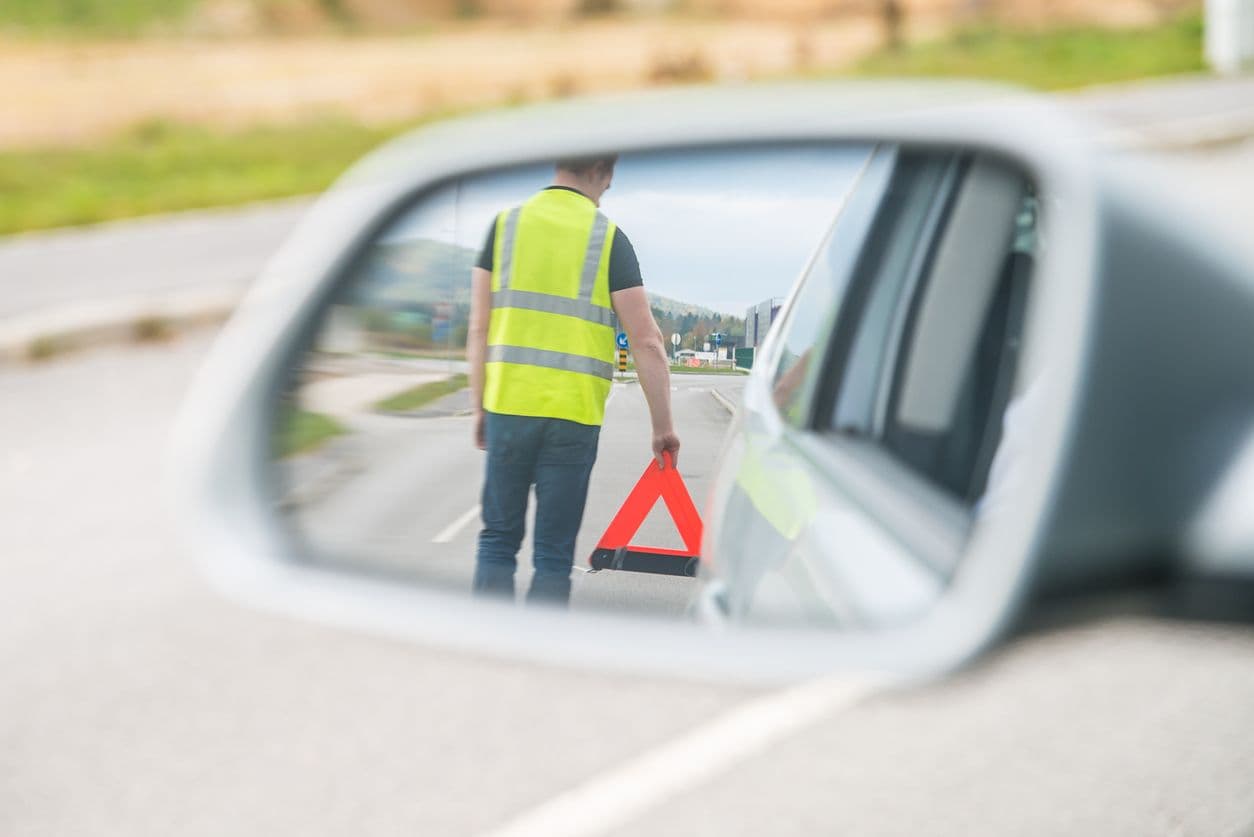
622,353
1229,35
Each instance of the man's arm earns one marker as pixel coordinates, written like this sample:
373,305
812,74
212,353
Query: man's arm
649,351
477,343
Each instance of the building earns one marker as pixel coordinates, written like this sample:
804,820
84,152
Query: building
758,321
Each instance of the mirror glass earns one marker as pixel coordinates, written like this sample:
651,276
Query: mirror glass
841,493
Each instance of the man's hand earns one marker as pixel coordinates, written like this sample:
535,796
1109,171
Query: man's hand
666,442
477,344
481,439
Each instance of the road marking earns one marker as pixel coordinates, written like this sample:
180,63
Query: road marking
616,796
449,532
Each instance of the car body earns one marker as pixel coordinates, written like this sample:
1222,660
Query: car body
850,492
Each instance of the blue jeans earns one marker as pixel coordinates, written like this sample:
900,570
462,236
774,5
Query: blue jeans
555,456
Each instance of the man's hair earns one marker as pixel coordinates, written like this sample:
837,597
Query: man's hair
583,165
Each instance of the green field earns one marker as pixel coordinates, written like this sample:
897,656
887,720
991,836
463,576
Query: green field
92,18
1052,59
161,167
113,17
420,396
705,370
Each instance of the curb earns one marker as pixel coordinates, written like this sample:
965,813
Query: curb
42,335
323,471
724,402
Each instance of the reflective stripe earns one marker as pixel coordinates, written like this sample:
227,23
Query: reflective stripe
592,258
549,304
507,245
551,360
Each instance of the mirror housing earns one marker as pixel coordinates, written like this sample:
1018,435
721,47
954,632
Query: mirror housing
1079,344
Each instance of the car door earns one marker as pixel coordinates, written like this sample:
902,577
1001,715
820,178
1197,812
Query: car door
869,427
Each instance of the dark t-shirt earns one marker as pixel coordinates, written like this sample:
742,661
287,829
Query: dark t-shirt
624,267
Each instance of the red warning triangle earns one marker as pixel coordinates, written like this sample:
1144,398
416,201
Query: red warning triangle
614,552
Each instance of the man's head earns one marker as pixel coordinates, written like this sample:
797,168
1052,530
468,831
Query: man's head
590,175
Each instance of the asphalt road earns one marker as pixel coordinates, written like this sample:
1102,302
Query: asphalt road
217,251
402,493
136,701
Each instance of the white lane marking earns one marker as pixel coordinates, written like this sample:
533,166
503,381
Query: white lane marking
450,531
616,796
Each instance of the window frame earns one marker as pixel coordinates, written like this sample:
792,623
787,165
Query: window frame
779,331
844,332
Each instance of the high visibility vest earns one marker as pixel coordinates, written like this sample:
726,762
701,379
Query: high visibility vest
779,490
550,334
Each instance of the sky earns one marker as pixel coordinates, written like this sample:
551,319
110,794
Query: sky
721,228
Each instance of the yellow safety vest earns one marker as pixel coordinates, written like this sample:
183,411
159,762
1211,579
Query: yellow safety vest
551,335
779,490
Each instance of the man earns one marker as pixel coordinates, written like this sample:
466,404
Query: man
541,348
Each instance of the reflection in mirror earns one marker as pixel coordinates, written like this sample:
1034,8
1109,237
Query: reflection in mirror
903,258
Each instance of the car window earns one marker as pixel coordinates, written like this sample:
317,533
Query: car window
949,433
928,346
888,268
818,298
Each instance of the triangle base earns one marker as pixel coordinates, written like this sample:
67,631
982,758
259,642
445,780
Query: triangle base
635,559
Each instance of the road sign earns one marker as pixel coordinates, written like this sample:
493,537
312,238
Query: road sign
622,360
622,340
675,339
718,338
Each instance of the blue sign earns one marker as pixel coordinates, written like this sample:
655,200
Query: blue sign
718,338
622,340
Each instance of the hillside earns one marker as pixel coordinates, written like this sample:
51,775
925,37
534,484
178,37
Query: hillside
675,308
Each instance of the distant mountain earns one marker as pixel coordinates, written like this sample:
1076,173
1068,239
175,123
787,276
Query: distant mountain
675,308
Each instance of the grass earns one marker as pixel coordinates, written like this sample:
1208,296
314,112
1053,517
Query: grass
45,348
431,354
303,431
104,17
152,329
705,370
1051,59
420,396
162,167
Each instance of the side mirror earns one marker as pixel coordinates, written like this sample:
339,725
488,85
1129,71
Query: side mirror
954,408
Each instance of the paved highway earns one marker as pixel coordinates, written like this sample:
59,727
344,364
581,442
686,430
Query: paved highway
403,493
138,702
216,250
